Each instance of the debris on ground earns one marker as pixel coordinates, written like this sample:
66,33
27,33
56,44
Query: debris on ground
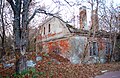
51,65
30,63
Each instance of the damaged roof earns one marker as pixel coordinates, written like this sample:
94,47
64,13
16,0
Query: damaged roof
72,29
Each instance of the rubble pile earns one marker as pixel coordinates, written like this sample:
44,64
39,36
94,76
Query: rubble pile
51,65
56,66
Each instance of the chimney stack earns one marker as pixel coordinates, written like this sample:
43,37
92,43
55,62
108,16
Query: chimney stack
94,19
83,17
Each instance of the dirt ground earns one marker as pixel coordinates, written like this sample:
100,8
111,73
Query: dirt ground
55,66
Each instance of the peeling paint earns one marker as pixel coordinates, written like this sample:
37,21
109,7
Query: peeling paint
72,46
64,44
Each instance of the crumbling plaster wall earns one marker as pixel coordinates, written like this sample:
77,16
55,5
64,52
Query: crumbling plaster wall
58,30
77,49
77,46
73,48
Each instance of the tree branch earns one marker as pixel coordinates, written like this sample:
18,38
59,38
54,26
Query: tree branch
50,14
12,4
1,36
33,15
43,12
68,3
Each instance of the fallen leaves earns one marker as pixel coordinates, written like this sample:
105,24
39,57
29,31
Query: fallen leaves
55,66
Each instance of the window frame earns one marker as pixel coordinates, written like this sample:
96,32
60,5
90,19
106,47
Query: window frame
94,49
49,27
44,30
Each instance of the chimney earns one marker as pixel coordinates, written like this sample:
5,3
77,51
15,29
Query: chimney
94,19
83,17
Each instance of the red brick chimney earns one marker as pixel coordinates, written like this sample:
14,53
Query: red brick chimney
94,19
83,17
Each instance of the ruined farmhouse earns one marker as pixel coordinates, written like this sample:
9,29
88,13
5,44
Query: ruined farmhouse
79,45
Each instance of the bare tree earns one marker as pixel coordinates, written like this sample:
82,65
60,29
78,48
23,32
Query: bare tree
20,8
2,27
109,20
20,31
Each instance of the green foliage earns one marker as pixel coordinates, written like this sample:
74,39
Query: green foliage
41,73
51,74
24,72
7,77
0,76
15,75
31,71
48,63
46,54
34,76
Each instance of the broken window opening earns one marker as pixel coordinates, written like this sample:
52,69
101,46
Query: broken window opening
108,48
40,47
108,52
49,28
91,51
44,30
94,49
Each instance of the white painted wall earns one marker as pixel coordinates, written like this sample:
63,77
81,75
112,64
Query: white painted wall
56,26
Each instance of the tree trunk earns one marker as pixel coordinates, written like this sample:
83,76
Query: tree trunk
3,29
17,36
25,33
114,45
20,32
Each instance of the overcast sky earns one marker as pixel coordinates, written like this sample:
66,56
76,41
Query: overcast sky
66,11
